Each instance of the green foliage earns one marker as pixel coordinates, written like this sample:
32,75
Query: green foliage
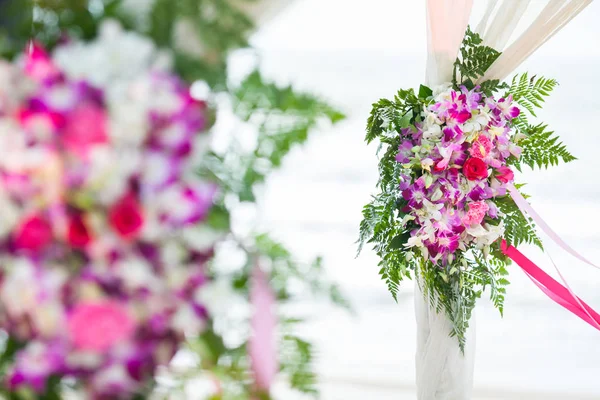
287,272
541,148
380,225
52,20
475,58
16,17
454,289
284,119
492,271
389,117
530,92
297,358
492,86
380,228
217,26
518,229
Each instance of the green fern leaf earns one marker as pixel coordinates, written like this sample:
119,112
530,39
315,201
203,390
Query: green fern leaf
530,93
518,229
542,148
474,59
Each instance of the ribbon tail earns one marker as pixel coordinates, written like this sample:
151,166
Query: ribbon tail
526,209
262,346
560,294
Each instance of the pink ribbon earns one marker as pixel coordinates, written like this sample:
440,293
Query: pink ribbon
262,347
526,209
562,295
554,290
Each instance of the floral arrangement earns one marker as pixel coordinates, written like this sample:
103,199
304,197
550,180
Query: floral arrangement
444,209
104,240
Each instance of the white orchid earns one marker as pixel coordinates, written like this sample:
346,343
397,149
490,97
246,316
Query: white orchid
486,234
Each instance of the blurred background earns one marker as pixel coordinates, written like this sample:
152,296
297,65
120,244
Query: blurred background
353,53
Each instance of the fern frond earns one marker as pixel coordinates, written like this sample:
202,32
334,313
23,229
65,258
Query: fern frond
383,113
518,229
492,86
530,93
474,60
542,148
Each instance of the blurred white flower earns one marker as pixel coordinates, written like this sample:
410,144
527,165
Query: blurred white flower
116,56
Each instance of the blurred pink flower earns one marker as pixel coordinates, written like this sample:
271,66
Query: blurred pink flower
127,217
78,234
98,326
33,234
38,64
86,127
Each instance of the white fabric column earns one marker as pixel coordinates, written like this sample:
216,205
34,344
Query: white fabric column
442,372
447,21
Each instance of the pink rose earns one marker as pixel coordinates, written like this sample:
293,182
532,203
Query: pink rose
85,128
505,174
98,326
33,234
476,213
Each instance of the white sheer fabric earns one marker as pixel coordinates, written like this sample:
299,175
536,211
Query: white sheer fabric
551,19
507,14
442,372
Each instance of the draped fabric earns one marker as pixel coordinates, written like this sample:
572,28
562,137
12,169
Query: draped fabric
442,371
551,19
446,24
507,15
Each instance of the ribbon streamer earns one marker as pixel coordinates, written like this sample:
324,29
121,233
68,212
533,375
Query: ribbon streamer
560,294
526,209
263,343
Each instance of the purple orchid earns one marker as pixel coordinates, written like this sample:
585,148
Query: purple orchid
508,110
404,152
404,182
447,152
416,193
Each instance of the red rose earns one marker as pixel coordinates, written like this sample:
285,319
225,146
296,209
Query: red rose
34,234
78,234
126,217
505,174
475,168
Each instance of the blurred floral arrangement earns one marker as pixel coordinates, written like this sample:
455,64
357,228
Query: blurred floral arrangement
121,246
